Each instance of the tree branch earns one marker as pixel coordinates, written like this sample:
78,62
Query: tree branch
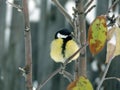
104,74
67,75
88,4
63,11
89,9
28,48
18,7
49,77
110,78
81,27
116,2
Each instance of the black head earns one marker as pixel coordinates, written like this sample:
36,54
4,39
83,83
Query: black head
64,34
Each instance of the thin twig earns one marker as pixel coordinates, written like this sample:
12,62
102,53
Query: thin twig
28,46
49,77
18,7
63,11
104,75
89,9
22,70
109,78
113,5
88,4
67,75
116,2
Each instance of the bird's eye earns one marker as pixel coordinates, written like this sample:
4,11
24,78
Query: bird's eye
61,36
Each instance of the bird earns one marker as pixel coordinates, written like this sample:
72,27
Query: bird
63,46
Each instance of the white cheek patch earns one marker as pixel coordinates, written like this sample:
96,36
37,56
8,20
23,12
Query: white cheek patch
61,36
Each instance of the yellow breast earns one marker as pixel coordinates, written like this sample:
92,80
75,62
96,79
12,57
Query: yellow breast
71,48
56,50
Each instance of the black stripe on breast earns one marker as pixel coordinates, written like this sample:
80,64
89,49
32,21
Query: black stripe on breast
64,45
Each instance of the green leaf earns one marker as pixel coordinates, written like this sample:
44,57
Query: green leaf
97,34
81,83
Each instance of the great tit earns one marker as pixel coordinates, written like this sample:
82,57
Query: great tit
63,46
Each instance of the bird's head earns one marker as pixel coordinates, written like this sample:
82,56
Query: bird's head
63,34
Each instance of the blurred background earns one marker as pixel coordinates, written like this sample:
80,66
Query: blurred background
46,20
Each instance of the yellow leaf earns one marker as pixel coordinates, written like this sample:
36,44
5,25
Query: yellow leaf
81,83
97,34
110,33
113,49
71,85
117,33
110,52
